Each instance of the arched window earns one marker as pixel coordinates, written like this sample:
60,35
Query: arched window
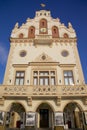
43,26
31,33
21,35
55,33
65,35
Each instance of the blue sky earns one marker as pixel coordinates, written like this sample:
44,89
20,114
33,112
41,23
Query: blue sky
12,11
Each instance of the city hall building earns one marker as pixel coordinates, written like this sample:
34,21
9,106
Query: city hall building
43,85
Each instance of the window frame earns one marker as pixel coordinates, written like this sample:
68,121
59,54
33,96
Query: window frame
68,77
46,77
19,77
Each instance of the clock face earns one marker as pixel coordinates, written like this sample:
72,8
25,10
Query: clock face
43,29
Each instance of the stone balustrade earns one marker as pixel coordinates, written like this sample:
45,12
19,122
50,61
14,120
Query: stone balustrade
43,36
78,90
59,90
44,90
40,39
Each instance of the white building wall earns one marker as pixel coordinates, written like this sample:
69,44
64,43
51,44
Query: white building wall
33,52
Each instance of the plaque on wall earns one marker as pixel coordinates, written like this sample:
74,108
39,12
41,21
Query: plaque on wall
30,118
85,114
8,114
58,118
2,115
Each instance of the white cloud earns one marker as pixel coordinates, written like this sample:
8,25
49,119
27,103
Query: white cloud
3,55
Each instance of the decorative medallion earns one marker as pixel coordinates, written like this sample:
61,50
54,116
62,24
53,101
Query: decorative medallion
23,53
64,53
43,57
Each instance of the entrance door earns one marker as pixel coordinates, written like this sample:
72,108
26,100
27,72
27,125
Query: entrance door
44,118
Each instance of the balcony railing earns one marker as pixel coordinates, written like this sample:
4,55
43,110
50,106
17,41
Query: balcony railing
60,90
45,36
13,90
74,90
40,39
44,90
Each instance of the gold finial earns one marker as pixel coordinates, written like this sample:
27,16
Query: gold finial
42,5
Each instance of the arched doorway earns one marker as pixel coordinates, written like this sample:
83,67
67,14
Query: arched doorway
45,116
15,117
73,116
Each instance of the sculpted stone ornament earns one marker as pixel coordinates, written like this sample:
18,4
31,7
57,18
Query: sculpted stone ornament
58,101
1,101
28,20
15,28
70,27
16,25
29,101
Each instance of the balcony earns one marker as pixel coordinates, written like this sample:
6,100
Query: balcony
43,39
38,91
79,90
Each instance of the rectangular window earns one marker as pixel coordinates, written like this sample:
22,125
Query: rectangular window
52,80
68,77
44,78
52,72
35,73
19,79
43,73
35,82
41,82
44,81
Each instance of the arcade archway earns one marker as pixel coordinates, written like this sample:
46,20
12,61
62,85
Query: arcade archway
15,116
45,116
73,116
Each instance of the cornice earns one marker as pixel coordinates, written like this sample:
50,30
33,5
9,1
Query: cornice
67,65
24,40
36,64
20,65
64,40
43,63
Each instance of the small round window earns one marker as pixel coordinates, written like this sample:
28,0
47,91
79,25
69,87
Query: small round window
65,53
23,53
43,57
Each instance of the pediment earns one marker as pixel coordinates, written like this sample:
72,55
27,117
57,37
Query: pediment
43,58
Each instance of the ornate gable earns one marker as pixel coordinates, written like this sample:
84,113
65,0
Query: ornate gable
43,58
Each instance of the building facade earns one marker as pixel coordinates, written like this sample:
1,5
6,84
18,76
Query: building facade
44,82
